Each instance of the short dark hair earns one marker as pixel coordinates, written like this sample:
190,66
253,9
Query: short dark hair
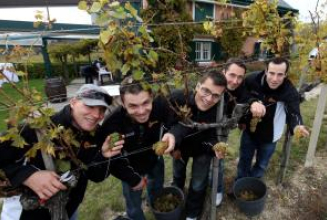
237,61
129,85
217,77
278,60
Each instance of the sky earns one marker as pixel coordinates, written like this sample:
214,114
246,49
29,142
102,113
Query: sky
76,16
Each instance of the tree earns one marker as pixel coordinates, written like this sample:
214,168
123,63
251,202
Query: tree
171,37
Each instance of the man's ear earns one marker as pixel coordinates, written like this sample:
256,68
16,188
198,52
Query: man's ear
72,102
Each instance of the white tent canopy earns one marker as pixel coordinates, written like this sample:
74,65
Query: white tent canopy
8,70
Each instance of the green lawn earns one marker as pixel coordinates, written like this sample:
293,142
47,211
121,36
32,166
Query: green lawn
38,84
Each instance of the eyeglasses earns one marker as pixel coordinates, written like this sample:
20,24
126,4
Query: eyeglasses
206,92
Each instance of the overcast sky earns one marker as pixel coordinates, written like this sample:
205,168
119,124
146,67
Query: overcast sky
74,15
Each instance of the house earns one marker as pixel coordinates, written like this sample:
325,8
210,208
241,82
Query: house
205,48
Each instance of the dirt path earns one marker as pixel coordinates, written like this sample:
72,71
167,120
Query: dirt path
302,197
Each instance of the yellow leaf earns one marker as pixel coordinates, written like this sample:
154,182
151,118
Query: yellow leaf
96,7
82,5
105,36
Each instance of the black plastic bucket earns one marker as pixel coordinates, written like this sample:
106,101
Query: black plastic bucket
258,188
174,214
55,89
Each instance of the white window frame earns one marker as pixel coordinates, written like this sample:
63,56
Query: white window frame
203,50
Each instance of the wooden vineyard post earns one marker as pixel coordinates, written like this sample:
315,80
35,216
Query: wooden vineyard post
215,163
316,126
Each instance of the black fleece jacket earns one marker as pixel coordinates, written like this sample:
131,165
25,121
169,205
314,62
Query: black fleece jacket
190,141
286,93
140,136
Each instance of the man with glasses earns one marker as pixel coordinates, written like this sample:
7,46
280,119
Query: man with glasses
197,143
81,117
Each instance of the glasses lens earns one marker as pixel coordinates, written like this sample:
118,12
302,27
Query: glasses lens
207,92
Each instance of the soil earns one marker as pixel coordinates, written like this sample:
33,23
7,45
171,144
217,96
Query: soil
302,196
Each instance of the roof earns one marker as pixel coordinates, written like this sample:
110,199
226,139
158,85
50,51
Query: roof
34,3
283,7
37,3
27,26
24,33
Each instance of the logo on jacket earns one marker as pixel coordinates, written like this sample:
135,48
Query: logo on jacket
151,123
272,100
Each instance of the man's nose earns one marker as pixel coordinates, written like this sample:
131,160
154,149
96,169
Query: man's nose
141,110
97,112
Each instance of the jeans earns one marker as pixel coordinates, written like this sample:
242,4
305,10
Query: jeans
249,146
133,199
198,184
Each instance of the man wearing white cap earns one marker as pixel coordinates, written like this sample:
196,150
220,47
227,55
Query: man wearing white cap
81,116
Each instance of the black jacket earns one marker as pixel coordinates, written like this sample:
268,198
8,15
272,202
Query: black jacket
193,142
141,136
12,162
286,94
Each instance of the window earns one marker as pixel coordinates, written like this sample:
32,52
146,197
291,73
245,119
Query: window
202,51
203,11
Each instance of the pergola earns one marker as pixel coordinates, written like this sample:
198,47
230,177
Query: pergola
36,3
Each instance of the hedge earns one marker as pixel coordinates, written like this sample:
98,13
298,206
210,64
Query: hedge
37,70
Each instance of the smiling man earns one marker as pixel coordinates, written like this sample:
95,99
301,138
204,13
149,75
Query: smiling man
197,144
142,117
82,117
282,101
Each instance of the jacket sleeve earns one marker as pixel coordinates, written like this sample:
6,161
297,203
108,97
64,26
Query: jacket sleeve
294,117
13,162
118,167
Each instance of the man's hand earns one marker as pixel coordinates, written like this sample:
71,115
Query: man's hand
110,152
302,131
258,109
170,138
141,185
44,183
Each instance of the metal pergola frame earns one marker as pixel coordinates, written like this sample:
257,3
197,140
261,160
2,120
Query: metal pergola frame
36,3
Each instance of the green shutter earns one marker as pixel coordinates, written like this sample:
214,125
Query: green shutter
192,51
216,53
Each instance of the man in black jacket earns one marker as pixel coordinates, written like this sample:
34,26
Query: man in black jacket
198,143
277,93
81,116
140,119
235,71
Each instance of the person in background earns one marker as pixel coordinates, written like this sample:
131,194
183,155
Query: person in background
235,71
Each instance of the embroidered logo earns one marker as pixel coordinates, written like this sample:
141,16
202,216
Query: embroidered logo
151,123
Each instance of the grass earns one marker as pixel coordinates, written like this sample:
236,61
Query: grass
38,84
